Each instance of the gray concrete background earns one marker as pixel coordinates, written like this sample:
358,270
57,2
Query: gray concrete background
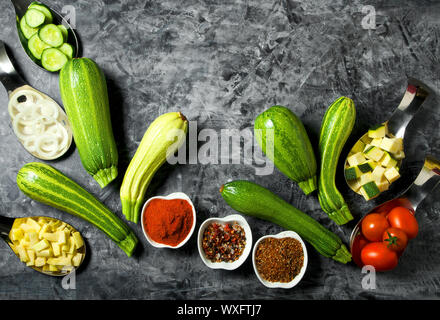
221,63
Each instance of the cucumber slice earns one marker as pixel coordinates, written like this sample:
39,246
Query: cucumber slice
27,31
34,18
53,59
42,8
67,49
64,31
51,35
36,46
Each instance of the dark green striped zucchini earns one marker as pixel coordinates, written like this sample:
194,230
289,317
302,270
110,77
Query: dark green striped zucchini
336,127
256,201
292,152
45,184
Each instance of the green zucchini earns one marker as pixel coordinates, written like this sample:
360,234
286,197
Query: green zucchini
163,138
51,35
53,59
292,152
84,94
45,184
256,201
27,31
336,127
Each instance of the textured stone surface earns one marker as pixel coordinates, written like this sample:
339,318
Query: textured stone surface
221,63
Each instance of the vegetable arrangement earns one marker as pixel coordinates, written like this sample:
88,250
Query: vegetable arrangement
84,93
292,151
46,42
163,137
256,201
45,184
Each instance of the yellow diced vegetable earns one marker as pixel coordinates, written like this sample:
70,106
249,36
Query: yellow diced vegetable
56,248
16,234
31,255
78,239
40,261
43,244
33,224
22,254
76,260
44,253
53,237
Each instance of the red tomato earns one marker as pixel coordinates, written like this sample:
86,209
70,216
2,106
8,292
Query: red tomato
403,218
373,226
395,239
377,254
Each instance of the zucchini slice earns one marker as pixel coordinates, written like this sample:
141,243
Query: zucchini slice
43,9
67,49
51,35
34,18
36,46
64,31
53,59
27,31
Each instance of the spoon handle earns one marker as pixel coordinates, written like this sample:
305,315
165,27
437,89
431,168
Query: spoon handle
415,94
426,181
5,226
8,75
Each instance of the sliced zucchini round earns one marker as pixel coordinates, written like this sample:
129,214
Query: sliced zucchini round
27,31
51,35
34,18
67,49
64,31
44,9
36,46
53,59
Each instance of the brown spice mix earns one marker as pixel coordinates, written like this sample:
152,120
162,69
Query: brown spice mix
279,260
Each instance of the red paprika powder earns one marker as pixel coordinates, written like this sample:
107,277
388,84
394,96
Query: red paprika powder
168,221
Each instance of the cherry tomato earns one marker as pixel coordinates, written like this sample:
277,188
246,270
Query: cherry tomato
403,218
379,256
395,239
373,226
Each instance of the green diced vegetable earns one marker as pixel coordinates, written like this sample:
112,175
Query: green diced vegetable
352,173
366,166
370,190
378,131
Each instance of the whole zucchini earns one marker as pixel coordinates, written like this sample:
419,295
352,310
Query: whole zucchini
163,138
336,127
84,93
45,184
292,152
256,201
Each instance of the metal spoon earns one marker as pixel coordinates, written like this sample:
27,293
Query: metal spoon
13,83
426,181
21,7
6,224
415,95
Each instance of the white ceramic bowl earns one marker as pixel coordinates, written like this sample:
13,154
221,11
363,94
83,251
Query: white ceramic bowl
247,249
297,279
176,195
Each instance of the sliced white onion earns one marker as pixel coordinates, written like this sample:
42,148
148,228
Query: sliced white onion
48,108
46,145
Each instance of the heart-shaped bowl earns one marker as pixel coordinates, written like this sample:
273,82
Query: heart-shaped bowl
297,279
175,195
226,265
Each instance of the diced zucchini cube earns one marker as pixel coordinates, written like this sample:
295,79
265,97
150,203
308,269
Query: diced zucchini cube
392,145
392,174
374,153
388,161
78,240
376,142
370,190
40,261
352,173
366,178
378,131
366,139
399,155
383,185
378,172
358,147
354,184
356,159
367,166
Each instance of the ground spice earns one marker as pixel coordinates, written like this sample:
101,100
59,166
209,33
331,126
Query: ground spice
223,242
279,260
168,221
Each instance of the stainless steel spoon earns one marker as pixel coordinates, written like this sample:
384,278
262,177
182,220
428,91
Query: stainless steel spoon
6,224
21,7
415,95
14,83
426,181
